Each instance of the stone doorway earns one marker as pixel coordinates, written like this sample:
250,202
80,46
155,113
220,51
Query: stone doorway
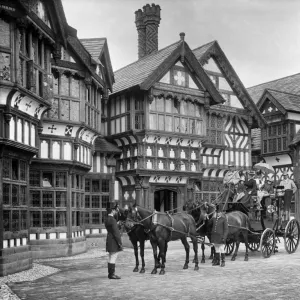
165,200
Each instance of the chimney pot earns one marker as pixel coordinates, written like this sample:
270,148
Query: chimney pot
182,35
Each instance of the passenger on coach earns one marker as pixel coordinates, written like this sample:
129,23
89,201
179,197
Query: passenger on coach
113,240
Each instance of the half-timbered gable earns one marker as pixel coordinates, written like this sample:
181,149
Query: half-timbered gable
168,117
229,124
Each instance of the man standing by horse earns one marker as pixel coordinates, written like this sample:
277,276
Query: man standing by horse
219,235
113,240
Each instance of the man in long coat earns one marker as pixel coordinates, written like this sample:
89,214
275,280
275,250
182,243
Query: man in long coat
113,241
219,235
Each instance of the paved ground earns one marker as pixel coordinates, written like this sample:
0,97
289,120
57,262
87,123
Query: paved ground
277,277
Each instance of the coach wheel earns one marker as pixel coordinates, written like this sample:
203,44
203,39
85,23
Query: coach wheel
254,246
229,247
267,243
291,236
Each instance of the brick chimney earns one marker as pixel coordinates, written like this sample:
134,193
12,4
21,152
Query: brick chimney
147,22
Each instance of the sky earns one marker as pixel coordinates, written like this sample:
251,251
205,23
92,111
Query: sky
261,38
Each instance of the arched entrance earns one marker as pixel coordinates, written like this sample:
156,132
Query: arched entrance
164,200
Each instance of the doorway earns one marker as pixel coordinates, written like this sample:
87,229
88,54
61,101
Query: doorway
165,200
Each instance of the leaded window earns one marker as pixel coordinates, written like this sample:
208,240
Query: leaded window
279,144
6,220
87,201
23,219
15,220
47,199
78,200
61,218
48,219
104,202
284,145
87,185
34,178
35,199
61,199
104,217
35,219
96,218
22,170
95,186
105,185
86,218
95,201
6,193
22,195
6,167
73,218
74,199
15,195
61,179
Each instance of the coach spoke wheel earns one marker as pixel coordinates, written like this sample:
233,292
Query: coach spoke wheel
291,236
267,243
253,246
229,247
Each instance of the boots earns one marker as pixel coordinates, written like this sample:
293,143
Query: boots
217,259
111,271
222,259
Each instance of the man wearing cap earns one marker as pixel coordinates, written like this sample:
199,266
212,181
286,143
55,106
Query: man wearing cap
113,240
290,189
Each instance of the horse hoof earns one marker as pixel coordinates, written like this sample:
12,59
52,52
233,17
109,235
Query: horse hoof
154,271
185,267
162,272
202,261
233,259
196,268
246,259
136,269
211,257
142,271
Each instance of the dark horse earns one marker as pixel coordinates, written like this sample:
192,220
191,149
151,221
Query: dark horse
164,227
238,226
137,236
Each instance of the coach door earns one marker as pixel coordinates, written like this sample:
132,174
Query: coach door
165,200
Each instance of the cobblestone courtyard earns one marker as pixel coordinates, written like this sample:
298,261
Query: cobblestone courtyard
277,277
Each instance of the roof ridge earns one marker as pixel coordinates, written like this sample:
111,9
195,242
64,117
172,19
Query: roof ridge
272,81
93,39
283,92
147,56
204,45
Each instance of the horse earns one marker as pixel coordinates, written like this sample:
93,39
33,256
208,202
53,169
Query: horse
137,234
164,227
238,225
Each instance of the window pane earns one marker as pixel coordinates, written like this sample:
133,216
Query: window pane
15,169
61,179
35,219
22,195
35,199
22,170
95,218
177,124
6,167
6,193
15,226
153,121
104,202
184,125
6,220
95,201
34,178
47,179
61,218
61,199
47,199
169,125
198,129
87,185
14,195
23,224
160,104
153,104
169,105
105,186
95,186
48,219
161,122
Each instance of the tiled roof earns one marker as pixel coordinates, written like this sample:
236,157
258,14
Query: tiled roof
296,138
289,84
288,101
102,145
256,139
94,46
138,71
202,49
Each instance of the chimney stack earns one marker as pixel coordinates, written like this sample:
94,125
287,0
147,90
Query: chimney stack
147,22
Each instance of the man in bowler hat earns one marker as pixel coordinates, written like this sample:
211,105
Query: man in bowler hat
113,240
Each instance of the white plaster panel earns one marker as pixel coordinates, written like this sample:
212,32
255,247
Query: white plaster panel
95,230
43,236
32,236
32,136
44,149
5,243
18,242
87,231
12,128
52,236
67,151
56,150
26,133
103,231
24,241
117,188
11,243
